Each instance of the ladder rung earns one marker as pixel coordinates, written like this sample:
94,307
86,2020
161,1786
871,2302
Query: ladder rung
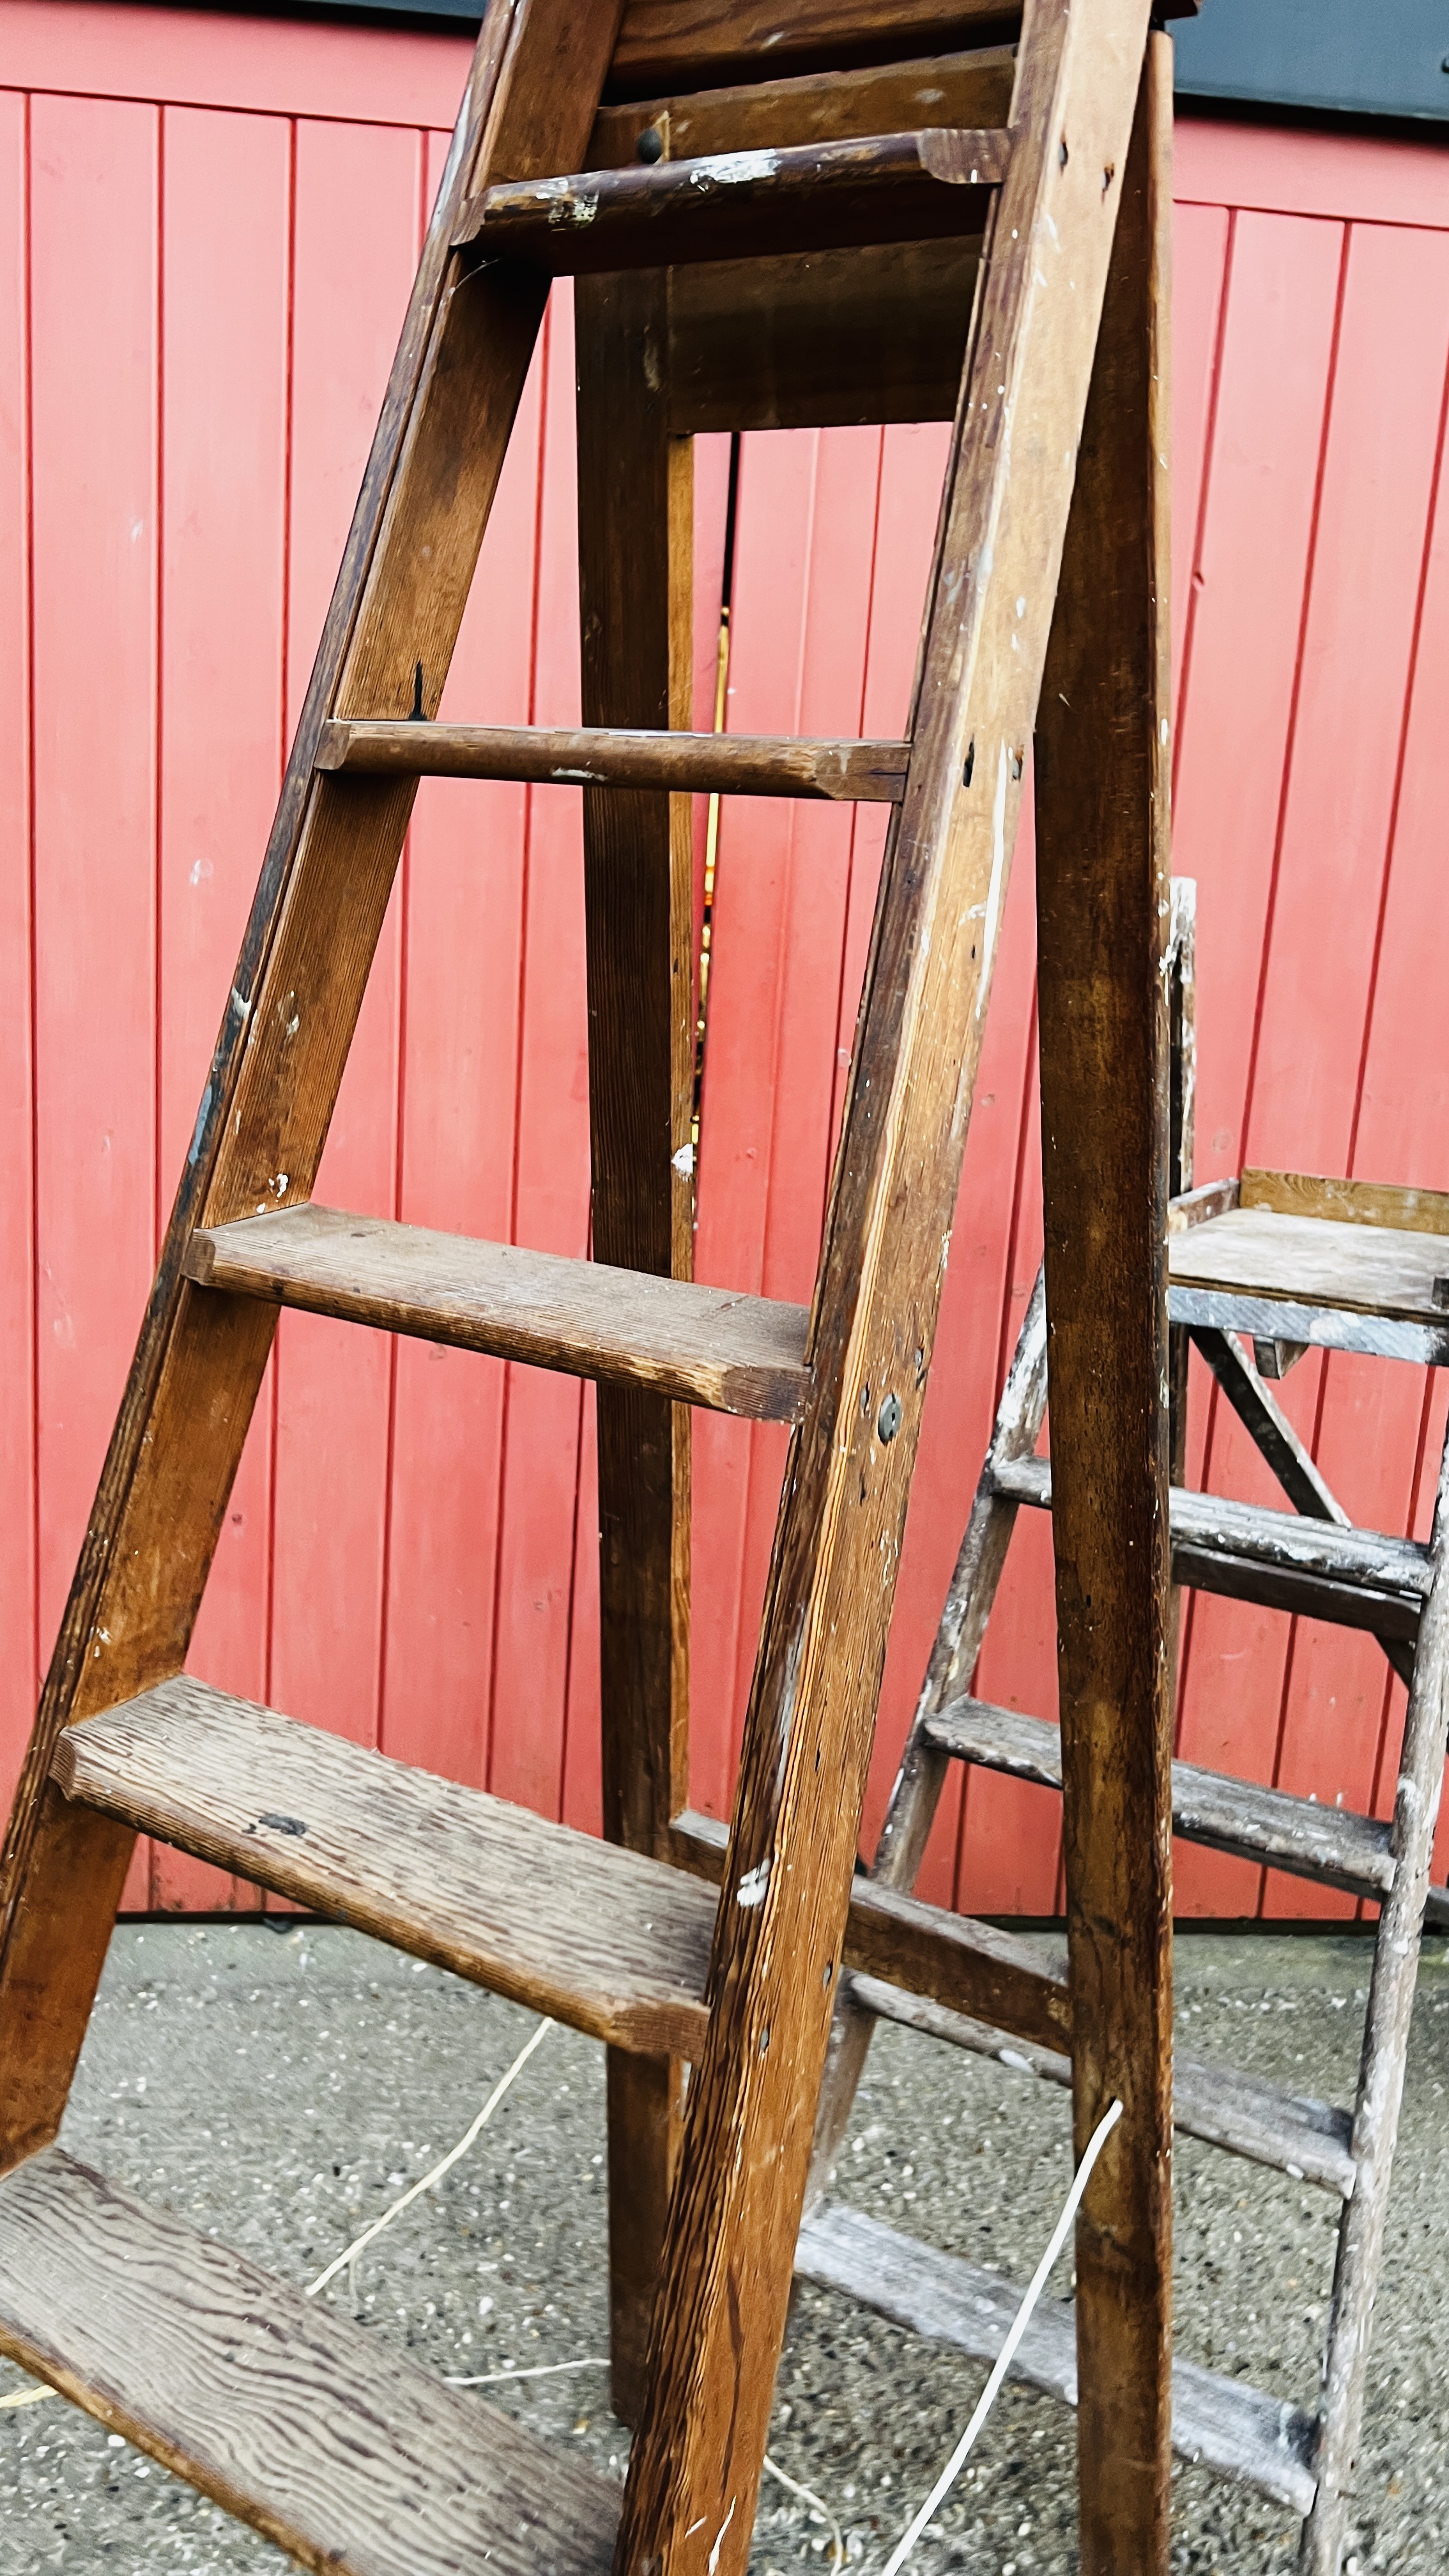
1288,2131
314,2430
1220,2423
688,764
1356,1578
925,186
607,1940
1329,1844
704,1346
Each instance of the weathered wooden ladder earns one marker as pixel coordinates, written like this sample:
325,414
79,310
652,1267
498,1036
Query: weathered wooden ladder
1284,1262
857,235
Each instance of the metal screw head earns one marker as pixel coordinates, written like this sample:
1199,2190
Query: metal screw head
889,1420
650,146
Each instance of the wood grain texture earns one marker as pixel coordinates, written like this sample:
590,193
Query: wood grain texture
970,90
947,1957
606,1940
697,44
1219,2424
636,628
919,1781
1315,1261
874,334
1291,2133
718,2321
698,1345
456,381
341,2451
1103,780
684,764
1331,1844
1376,1203
927,186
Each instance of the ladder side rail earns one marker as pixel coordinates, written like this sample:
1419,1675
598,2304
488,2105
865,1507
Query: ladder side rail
718,2322
1381,2078
916,1793
1102,848
636,617
455,387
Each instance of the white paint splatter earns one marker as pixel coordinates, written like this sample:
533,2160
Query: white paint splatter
753,1885
720,2536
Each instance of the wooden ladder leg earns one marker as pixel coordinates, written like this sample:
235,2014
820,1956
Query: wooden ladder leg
636,604
734,2215
1381,2076
1102,867
959,1639
453,393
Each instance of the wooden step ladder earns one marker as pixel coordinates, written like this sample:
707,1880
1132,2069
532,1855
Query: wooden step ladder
1282,1262
833,214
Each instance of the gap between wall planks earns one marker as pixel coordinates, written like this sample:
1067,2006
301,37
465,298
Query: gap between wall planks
466,1485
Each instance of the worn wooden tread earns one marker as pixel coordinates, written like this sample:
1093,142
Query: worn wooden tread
930,185
704,1346
1315,1261
688,764
1285,1560
606,1939
1290,2132
1329,1844
280,2408
1218,2423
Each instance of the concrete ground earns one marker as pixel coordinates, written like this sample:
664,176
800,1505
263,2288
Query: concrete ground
282,2087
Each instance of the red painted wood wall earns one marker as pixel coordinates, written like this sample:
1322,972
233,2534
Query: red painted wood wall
207,230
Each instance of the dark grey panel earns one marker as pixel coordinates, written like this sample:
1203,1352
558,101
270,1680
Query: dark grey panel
1358,57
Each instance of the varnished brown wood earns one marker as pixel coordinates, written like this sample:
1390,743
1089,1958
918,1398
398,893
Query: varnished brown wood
1222,2424
312,2429
947,1957
971,89
868,334
455,385
637,647
689,2501
607,1940
1376,1203
1196,1207
876,334
927,186
916,1791
708,1346
684,764
1102,782
698,44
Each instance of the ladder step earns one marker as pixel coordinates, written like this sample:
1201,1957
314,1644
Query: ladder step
607,1940
1290,2132
1329,1844
687,764
704,1346
1283,1560
1218,2423
281,2410
929,186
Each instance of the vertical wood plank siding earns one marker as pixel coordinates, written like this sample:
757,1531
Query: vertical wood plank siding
409,1555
